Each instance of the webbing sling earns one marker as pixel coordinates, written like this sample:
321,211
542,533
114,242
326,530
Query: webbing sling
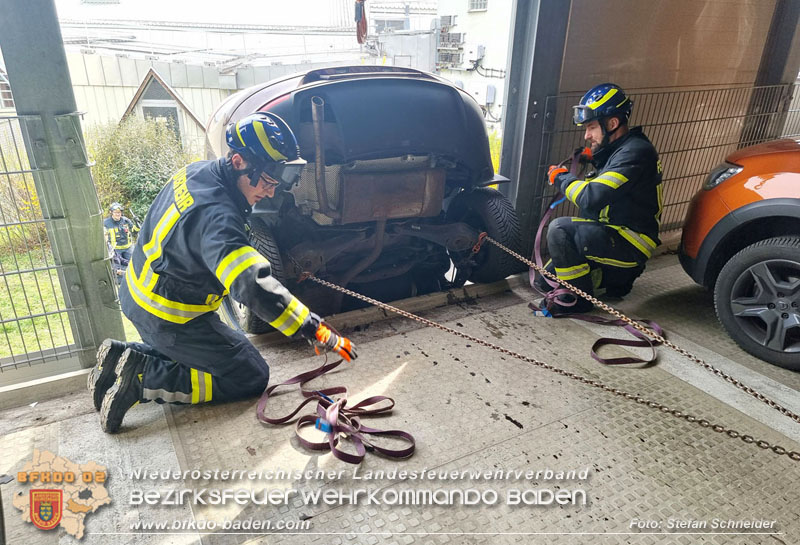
550,297
336,419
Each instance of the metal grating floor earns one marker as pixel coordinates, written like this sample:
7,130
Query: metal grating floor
470,409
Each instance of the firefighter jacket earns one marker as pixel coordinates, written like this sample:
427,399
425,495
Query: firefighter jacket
119,234
193,250
624,191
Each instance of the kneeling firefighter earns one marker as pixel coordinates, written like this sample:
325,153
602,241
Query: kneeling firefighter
192,251
620,202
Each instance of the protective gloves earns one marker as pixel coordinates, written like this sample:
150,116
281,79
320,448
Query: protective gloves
328,340
584,155
554,171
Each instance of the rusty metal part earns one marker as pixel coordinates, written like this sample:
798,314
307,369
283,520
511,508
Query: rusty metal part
702,422
653,335
318,120
311,256
380,230
368,196
453,236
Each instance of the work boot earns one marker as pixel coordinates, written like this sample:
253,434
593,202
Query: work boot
102,375
581,306
125,392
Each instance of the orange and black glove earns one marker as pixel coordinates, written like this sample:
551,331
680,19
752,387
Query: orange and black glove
328,340
554,171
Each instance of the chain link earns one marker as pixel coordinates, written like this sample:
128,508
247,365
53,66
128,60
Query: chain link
653,335
733,434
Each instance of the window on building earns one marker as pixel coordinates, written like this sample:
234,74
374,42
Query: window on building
156,103
6,100
388,25
478,5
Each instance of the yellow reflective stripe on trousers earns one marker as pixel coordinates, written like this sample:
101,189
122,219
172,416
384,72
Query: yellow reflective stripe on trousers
292,318
201,386
613,262
644,243
660,194
236,262
570,273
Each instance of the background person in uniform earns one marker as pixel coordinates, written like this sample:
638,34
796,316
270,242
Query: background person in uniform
192,251
620,202
119,232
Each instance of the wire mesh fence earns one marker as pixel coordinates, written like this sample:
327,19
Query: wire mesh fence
693,131
35,321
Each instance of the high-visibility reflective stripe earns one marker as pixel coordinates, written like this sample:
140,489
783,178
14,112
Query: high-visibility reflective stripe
264,139
613,262
237,262
207,379
606,97
171,311
154,247
195,386
574,189
617,175
201,386
644,243
610,183
584,220
292,318
660,193
571,273
169,397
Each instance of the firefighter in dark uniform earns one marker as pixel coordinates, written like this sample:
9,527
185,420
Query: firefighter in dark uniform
119,237
192,251
620,202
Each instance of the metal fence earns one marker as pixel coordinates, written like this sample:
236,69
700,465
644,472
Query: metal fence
693,130
35,320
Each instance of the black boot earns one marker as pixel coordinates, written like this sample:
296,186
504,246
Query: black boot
102,375
125,392
581,305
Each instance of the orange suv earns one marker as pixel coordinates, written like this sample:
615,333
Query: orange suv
741,239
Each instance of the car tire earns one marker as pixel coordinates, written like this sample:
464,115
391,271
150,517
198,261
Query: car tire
757,295
239,316
488,210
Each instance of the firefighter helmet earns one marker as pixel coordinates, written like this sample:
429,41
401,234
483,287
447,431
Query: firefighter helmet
602,101
267,143
114,206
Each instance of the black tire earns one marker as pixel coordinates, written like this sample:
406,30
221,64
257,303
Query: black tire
757,297
488,210
239,316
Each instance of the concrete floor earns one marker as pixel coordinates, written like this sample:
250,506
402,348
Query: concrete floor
469,408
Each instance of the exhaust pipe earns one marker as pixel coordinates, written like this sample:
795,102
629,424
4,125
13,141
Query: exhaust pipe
318,119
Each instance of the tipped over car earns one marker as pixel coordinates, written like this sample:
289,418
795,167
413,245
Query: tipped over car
741,239
394,194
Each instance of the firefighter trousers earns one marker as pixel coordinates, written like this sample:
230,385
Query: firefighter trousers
202,360
589,254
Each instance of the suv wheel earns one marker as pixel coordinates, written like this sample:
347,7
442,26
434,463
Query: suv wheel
239,316
487,210
757,297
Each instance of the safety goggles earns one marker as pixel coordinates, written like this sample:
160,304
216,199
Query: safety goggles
582,114
285,173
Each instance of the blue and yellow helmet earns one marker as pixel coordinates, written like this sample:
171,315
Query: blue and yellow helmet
601,101
267,143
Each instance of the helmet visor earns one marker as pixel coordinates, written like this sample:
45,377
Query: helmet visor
582,114
286,173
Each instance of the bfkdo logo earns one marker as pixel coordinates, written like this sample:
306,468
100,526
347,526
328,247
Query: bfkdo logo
46,508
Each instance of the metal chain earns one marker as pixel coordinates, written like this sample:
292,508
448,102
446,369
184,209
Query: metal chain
733,434
653,335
